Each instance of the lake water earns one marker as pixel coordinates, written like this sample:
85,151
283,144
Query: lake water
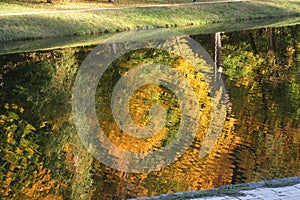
42,155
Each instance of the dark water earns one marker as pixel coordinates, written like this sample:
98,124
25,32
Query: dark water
43,157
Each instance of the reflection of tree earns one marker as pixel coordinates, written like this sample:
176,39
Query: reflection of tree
260,139
183,174
40,83
276,67
261,71
22,172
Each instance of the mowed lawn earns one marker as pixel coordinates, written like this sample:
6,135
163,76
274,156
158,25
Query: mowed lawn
10,6
103,21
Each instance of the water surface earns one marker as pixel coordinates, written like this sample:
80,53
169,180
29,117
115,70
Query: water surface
43,157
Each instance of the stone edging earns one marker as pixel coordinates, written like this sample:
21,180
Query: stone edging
228,190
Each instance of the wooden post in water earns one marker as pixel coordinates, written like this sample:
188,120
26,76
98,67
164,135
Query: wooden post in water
218,56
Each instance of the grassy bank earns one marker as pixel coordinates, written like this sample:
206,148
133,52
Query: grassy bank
13,6
103,21
74,41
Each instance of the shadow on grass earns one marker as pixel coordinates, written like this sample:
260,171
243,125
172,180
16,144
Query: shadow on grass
25,3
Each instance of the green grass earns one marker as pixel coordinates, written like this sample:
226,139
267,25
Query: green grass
16,7
75,41
9,6
95,22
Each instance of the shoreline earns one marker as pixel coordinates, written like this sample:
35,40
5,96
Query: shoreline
44,44
65,24
228,190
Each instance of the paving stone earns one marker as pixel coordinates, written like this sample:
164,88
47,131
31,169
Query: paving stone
233,197
246,198
294,198
295,195
261,196
211,198
294,189
279,193
297,186
283,189
284,198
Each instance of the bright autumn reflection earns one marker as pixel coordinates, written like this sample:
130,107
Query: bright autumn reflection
43,158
